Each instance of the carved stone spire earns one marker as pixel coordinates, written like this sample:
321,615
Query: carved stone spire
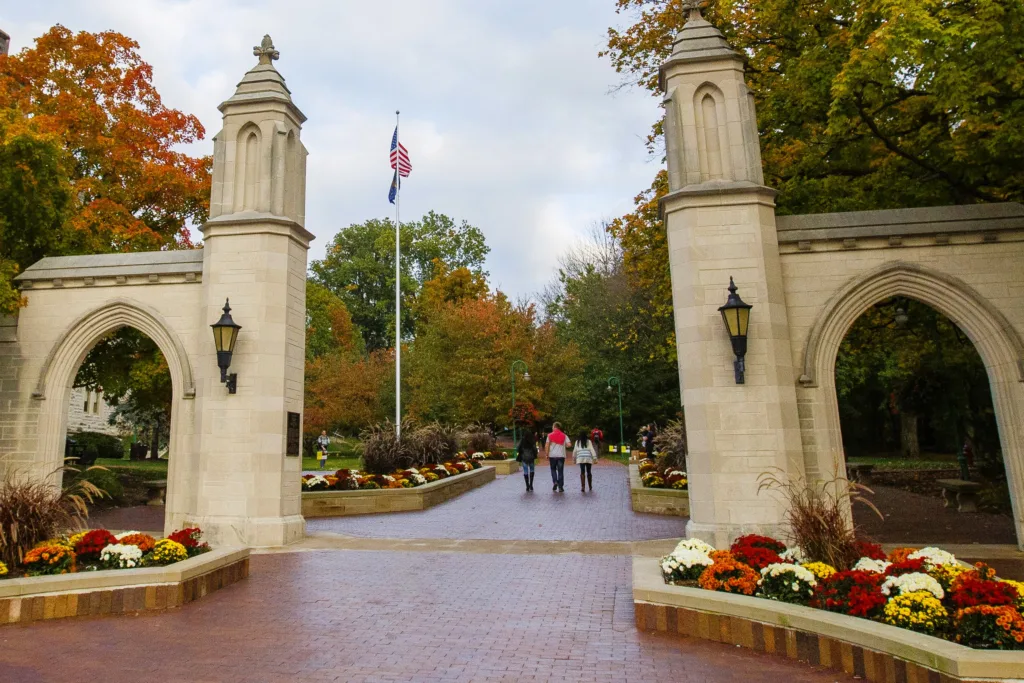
266,51
692,9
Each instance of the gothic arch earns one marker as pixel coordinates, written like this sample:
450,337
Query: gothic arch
53,387
709,108
997,341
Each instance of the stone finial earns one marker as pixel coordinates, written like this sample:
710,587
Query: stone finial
692,9
265,50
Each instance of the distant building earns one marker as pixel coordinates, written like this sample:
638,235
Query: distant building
5,43
88,412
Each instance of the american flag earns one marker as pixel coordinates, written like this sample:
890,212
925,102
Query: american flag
400,156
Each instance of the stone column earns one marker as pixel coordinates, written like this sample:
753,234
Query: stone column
720,220
255,255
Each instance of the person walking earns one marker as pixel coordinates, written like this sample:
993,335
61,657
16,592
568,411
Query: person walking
558,443
597,437
322,442
585,455
528,456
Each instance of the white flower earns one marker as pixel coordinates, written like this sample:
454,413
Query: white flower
866,564
912,583
417,479
124,556
798,572
933,557
688,557
124,533
314,481
793,555
694,544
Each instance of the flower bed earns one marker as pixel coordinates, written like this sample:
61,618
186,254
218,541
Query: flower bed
374,499
657,501
353,480
96,549
654,477
923,590
486,456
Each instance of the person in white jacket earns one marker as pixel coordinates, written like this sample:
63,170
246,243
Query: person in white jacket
585,455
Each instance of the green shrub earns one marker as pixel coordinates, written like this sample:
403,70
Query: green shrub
94,445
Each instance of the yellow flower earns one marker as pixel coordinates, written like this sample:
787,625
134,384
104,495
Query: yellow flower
819,569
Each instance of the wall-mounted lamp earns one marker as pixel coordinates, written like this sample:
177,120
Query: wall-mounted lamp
225,334
736,315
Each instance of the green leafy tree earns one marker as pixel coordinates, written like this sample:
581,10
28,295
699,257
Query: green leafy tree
865,104
360,268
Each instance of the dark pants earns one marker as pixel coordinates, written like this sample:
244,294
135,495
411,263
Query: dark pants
557,472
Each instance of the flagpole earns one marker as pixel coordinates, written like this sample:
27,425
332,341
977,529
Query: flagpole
398,288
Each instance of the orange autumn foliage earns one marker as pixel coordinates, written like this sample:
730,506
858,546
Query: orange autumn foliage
94,93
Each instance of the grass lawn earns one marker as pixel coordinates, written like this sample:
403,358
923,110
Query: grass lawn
144,469
927,461
334,463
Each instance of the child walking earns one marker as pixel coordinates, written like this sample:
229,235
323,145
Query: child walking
585,455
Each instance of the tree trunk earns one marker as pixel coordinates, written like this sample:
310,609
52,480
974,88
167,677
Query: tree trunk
908,435
154,443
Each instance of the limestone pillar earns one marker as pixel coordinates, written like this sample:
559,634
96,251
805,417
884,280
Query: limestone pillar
255,255
720,220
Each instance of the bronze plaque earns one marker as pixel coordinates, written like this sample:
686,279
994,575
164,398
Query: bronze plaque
294,434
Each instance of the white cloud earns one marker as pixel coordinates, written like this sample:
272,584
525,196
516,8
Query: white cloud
506,107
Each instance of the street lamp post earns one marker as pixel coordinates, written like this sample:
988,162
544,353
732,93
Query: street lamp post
615,380
526,376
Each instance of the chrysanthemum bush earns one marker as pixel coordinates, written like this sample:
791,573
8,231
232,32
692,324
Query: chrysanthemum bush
925,590
410,477
655,475
94,549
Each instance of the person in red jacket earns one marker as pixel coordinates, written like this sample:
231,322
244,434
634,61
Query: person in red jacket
558,442
597,438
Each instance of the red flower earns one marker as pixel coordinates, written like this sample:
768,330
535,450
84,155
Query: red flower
756,541
871,550
906,567
755,556
970,591
89,546
856,593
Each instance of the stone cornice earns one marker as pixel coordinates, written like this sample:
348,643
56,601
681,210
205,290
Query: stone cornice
254,223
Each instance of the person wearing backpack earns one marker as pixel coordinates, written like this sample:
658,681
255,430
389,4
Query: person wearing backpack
585,455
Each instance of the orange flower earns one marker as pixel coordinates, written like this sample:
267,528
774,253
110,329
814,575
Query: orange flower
145,542
728,575
901,554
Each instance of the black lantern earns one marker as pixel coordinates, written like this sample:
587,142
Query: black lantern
736,315
225,334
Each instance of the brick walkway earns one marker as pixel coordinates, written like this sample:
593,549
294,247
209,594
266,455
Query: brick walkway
377,605
503,510
391,616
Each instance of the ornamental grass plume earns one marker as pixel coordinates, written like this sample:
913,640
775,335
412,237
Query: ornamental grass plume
383,450
434,443
817,515
33,509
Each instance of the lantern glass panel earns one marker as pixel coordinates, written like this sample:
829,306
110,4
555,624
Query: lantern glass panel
731,321
743,320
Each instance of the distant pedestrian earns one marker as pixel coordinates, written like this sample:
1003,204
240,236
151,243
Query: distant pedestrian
322,442
585,455
647,440
527,455
558,442
597,436
542,439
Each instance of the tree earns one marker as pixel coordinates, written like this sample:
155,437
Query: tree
922,370
95,91
130,370
329,327
865,104
35,196
360,268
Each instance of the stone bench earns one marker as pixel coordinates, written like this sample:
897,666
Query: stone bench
964,492
859,472
156,491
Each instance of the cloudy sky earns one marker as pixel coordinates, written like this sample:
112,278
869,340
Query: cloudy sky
508,112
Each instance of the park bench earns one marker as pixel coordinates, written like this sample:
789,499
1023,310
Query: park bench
859,472
964,492
156,490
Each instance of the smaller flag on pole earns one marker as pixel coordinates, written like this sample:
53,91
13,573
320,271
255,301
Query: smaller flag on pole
394,188
400,156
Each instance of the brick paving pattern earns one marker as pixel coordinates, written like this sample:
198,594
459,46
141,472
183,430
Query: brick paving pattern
391,616
503,510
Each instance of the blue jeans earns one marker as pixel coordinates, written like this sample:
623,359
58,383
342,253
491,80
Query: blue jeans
529,467
557,472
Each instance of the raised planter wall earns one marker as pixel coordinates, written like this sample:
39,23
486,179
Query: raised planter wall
121,591
365,502
868,649
503,468
656,501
